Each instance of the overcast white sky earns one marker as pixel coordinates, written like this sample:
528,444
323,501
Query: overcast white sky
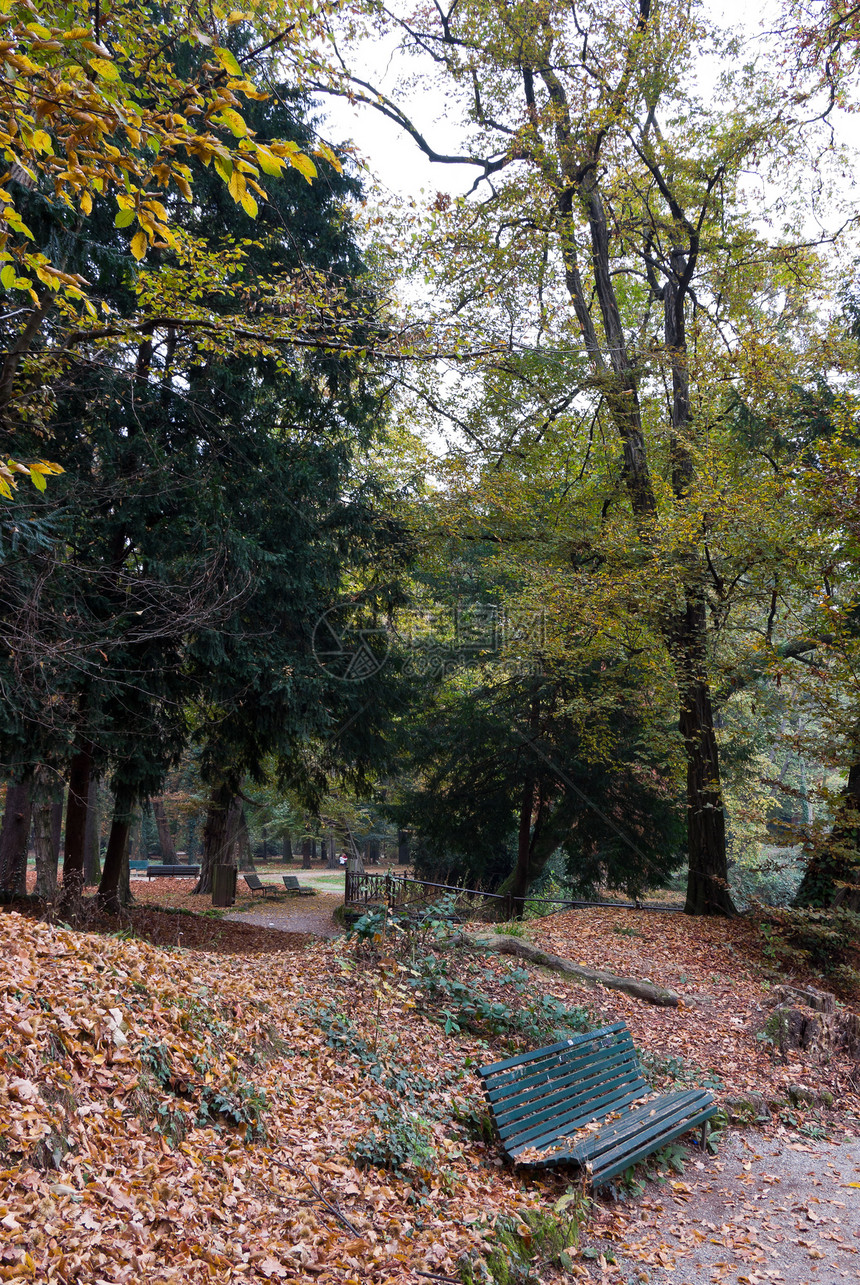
399,165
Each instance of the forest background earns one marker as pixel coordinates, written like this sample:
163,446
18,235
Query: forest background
606,636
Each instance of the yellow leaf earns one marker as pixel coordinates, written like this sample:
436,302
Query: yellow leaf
38,480
236,186
224,166
87,203
138,245
249,205
269,163
327,154
104,68
233,121
304,165
7,277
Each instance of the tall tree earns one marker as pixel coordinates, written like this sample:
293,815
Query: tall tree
605,191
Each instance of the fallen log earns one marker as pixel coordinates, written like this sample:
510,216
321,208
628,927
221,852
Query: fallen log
501,944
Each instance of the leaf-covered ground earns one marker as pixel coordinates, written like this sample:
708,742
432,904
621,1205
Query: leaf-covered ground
174,1114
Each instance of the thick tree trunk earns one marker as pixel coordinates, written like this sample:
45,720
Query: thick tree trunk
708,874
112,895
518,885
288,848
46,838
80,770
15,836
165,838
219,834
306,854
57,810
245,856
832,875
403,847
92,837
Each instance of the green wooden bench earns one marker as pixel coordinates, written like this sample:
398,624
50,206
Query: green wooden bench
161,872
291,883
581,1102
254,881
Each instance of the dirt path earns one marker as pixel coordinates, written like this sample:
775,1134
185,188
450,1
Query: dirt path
772,1208
293,916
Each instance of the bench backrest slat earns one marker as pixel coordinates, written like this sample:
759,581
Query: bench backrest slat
291,881
580,1063
253,881
571,1096
574,1042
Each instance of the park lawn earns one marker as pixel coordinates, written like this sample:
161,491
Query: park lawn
175,1114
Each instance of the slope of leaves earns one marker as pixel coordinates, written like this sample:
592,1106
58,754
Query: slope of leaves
178,1116
172,1114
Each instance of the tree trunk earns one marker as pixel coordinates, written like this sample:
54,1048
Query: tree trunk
15,836
166,845
219,834
80,770
92,837
288,848
45,809
518,885
708,875
403,847
245,856
306,854
832,875
111,895
57,810
332,863
265,845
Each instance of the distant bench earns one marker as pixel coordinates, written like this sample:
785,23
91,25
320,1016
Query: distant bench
291,883
160,872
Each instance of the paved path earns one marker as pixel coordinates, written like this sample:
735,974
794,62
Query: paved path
777,1209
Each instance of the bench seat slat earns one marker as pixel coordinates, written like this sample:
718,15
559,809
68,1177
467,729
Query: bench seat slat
623,1159
649,1119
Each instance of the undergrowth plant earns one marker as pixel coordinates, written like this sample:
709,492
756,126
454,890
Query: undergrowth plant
531,1244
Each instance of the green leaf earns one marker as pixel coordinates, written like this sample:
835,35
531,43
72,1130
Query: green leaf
224,166
38,481
124,219
7,277
228,61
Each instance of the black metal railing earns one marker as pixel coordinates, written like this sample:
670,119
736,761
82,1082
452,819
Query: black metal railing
400,892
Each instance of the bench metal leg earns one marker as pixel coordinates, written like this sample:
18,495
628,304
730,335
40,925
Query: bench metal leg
705,1131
